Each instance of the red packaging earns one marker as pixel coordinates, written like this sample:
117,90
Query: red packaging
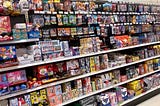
5,25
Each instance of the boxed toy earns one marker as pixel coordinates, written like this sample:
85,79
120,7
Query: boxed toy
113,98
17,80
122,94
33,31
60,70
19,31
4,85
87,88
35,51
97,63
73,67
54,95
39,98
8,56
5,27
92,64
82,64
23,56
13,102
104,100
104,61
135,85
4,102
45,73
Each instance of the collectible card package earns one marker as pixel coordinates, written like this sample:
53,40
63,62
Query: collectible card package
65,20
60,19
53,19
39,97
38,20
72,19
64,31
47,20
53,32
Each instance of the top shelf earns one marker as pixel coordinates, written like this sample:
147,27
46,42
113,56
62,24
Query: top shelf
18,41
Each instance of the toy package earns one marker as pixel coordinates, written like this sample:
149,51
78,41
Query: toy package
87,88
92,64
104,100
19,31
60,69
45,73
39,98
5,28
35,51
4,103
21,101
122,94
38,20
104,61
73,67
17,80
54,95
60,19
113,98
47,20
4,86
8,56
107,7
65,19
53,20
33,31
64,31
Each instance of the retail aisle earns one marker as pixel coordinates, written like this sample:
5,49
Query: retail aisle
154,101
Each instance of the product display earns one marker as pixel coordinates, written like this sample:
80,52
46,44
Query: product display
77,53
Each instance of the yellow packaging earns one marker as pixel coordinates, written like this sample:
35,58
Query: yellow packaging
138,92
92,64
135,85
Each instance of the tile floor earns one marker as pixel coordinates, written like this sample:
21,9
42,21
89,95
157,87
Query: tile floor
154,101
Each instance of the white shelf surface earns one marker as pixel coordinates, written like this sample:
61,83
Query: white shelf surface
18,41
70,79
139,96
75,57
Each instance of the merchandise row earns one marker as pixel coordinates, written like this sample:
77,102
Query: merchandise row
43,74
29,31
15,81
49,50
118,95
70,19
14,7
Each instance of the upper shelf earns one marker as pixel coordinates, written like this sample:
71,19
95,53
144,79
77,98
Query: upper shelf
75,57
18,41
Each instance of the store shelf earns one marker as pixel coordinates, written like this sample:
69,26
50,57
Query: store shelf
139,96
75,57
105,89
71,79
18,41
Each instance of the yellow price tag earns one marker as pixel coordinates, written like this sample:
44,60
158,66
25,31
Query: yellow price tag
57,1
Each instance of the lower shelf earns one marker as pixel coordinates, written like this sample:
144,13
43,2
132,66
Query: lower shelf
139,96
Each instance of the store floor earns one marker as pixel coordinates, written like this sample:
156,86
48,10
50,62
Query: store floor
154,101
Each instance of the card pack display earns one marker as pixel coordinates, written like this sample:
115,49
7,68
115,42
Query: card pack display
39,97
38,20
73,67
55,95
